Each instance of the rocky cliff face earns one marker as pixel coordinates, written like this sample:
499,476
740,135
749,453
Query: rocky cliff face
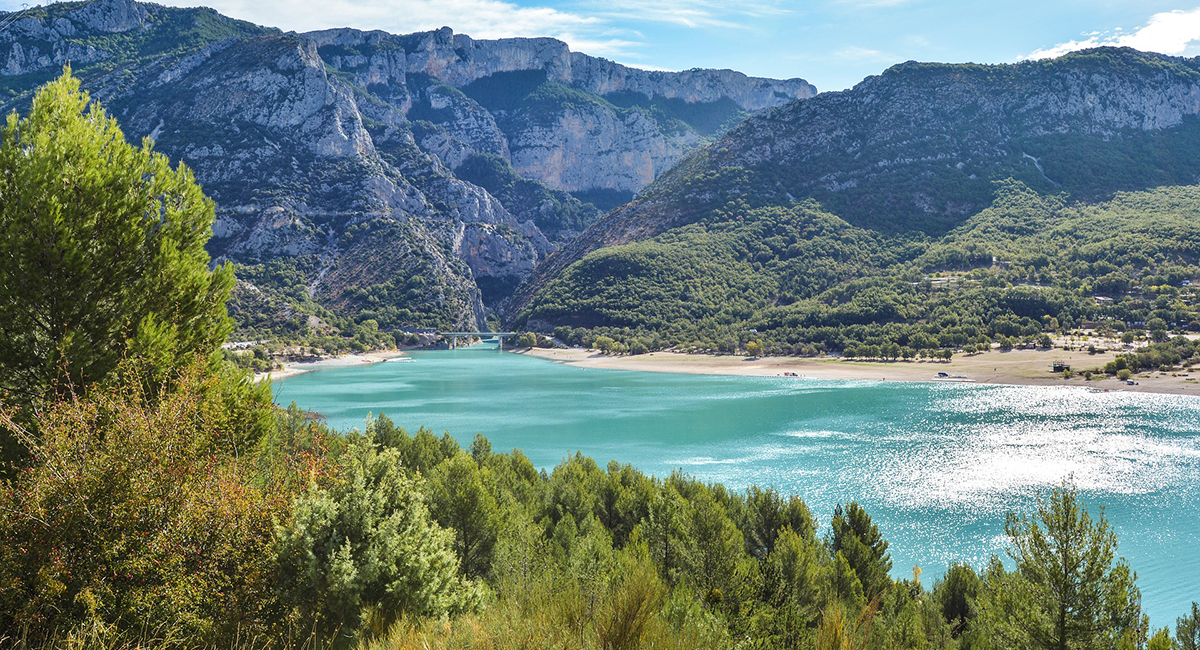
458,60
966,125
590,147
570,135
335,157
918,148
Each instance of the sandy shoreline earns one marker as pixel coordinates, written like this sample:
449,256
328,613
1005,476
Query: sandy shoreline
1015,367
292,369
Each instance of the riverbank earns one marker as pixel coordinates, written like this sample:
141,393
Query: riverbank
293,368
1014,367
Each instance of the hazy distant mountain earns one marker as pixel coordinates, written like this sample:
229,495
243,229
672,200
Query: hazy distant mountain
409,179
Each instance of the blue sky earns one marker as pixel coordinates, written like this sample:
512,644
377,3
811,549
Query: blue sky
831,43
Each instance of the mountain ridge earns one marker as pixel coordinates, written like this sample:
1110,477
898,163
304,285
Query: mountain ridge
321,148
836,148
901,161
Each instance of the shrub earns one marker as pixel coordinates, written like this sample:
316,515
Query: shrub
367,546
136,514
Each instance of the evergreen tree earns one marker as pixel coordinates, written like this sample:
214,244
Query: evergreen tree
858,540
460,499
1068,590
955,594
766,513
1187,630
796,584
1161,640
368,544
101,252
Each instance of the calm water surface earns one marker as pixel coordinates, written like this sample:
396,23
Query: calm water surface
936,465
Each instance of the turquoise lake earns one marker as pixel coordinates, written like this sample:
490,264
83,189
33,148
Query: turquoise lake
937,465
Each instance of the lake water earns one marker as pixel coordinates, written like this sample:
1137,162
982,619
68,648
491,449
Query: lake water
936,465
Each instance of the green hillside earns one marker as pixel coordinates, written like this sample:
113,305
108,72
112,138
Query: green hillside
917,148
806,281
932,207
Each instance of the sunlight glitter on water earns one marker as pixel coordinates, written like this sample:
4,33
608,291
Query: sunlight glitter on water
938,466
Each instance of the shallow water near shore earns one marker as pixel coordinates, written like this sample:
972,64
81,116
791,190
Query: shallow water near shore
936,465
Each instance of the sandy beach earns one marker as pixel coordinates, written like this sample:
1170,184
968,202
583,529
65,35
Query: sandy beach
1014,367
342,361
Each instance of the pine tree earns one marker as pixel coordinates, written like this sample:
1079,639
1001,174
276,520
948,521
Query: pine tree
1067,590
369,544
1187,630
460,499
101,252
858,540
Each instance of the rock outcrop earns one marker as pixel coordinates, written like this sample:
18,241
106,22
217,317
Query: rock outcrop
458,60
573,141
334,157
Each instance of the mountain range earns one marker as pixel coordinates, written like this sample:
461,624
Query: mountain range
391,182
930,197
410,180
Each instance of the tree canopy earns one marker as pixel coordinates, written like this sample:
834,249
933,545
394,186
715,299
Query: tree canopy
1068,589
101,251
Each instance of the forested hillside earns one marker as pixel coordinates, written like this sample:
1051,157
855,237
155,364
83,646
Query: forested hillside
809,282
935,206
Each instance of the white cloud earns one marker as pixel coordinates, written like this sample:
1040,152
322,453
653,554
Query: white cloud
605,28
478,18
1170,32
854,53
688,13
589,28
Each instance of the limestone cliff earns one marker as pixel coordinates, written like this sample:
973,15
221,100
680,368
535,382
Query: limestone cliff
373,176
571,121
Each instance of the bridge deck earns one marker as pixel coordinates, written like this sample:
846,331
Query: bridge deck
454,336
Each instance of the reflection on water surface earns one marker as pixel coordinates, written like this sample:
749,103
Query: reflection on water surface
937,465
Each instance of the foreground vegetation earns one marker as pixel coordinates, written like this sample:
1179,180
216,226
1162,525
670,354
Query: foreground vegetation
155,497
189,519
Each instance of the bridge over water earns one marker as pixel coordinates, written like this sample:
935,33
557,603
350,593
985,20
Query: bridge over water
454,336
